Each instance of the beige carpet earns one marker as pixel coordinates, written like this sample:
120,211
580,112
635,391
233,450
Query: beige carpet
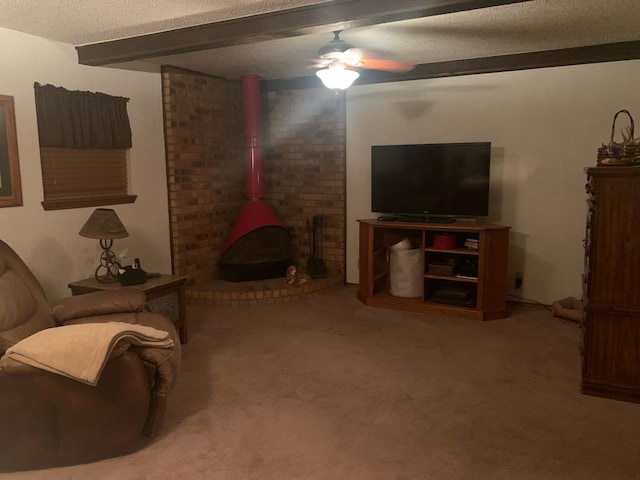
331,389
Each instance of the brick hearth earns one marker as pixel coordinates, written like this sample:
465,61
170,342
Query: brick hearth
218,293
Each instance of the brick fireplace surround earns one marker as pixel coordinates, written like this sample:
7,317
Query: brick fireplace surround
304,175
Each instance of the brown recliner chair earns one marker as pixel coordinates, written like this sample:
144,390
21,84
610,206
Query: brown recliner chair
50,420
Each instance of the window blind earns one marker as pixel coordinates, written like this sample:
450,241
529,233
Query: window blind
73,177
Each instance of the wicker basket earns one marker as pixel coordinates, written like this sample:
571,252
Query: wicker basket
446,267
625,153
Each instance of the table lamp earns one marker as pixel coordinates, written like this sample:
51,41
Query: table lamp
104,225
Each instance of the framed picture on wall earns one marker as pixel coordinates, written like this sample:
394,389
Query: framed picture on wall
10,186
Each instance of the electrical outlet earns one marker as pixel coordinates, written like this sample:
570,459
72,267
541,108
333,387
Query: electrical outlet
518,282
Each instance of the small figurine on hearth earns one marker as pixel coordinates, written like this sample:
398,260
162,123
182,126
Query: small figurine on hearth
302,278
292,276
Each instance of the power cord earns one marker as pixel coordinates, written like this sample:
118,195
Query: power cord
529,301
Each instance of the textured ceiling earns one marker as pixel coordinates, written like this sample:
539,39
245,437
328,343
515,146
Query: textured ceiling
80,22
517,28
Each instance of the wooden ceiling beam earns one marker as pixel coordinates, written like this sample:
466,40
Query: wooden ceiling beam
338,14
609,52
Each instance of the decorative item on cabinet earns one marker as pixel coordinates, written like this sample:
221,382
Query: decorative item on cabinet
626,152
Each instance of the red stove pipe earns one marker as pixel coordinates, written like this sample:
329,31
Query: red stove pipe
252,136
255,213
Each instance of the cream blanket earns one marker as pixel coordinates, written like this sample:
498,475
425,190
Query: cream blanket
81,351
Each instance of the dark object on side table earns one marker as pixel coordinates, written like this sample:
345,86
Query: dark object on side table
132,274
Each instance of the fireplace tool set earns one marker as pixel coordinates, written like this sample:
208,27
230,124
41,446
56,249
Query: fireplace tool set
316,267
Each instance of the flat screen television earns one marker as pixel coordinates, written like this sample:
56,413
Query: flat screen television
439,179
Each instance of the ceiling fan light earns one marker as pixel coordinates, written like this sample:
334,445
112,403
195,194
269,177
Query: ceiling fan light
337,77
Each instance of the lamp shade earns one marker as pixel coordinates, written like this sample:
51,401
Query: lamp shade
337,77
104,224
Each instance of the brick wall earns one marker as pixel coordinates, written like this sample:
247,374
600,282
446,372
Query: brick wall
204,149
305,170
304,167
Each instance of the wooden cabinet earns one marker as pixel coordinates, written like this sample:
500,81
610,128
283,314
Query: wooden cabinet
487,289
611,330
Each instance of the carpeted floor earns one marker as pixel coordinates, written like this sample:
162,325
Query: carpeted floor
330,389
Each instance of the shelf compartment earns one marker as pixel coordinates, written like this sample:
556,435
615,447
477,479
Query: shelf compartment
386,300
454,251
380,275
452,278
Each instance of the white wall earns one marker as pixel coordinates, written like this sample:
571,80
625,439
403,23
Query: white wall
545,126
49,241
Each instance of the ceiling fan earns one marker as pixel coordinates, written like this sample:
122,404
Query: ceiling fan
339,61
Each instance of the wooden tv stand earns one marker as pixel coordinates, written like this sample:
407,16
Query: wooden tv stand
489,288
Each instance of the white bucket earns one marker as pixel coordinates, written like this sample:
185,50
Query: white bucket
405,272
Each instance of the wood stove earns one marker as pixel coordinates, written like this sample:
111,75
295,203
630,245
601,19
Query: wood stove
259,245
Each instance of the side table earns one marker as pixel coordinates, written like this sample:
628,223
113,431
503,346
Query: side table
165,294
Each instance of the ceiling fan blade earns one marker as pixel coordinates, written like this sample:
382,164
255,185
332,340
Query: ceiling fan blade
386,65
371,60
321,63
339,53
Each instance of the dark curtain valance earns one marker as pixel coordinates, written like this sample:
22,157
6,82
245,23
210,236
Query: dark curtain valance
76,119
